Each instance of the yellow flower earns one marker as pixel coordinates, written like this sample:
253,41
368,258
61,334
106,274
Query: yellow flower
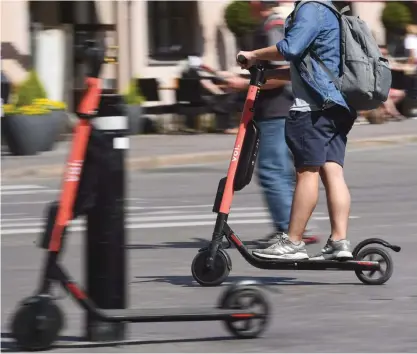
32,110
9,109
50,104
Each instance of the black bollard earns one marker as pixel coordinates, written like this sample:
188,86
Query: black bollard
105,251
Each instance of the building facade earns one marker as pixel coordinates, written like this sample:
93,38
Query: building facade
149,38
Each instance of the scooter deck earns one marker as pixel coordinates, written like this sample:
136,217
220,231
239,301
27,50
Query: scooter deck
174,314
306,264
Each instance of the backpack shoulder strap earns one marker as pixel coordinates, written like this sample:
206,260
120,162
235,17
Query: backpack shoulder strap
334,79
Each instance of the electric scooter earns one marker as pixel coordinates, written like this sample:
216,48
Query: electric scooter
212,264
197,64
38,320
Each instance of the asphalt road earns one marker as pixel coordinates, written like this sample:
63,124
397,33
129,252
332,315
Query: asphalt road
169,218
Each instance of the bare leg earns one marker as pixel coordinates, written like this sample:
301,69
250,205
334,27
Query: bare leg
338,198
305,199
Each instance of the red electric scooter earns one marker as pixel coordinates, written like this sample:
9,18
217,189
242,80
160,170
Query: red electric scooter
38,320
197,64
211,266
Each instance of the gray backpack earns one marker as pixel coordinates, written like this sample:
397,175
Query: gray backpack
365,78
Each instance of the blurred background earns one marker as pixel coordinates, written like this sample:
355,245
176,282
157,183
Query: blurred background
181,133
147,43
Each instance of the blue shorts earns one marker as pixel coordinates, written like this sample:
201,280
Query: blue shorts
317,137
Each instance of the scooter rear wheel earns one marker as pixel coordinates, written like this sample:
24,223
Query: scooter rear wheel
37,323
375,277
252,300
210,277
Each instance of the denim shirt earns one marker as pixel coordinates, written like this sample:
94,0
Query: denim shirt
316,28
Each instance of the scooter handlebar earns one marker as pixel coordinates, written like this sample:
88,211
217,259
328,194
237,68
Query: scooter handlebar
242,59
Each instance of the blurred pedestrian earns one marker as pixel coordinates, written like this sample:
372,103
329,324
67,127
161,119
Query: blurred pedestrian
410,43
221,102
275,165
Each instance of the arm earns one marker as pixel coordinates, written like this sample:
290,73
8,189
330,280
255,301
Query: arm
274,29
279,78
210,86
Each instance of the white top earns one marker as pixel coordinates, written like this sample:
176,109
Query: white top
303,102
410,41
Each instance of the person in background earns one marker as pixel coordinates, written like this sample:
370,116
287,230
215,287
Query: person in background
222,103
395,95
275,166
5,90
411,71
410,43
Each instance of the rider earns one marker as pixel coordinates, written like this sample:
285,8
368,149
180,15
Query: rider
275,166
316,130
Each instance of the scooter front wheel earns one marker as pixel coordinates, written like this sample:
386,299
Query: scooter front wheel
37,323
375,277
250,299
214,276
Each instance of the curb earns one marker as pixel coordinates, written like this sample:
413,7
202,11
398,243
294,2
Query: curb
154,162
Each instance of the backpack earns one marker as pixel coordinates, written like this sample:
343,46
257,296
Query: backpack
365,78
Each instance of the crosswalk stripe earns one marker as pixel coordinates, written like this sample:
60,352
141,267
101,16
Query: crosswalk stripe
145,219
24,192
137,217
24,229
8,223
14,187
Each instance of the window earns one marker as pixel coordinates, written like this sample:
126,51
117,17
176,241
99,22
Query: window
174,30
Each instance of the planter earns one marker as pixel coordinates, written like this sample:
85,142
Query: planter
54,127
29,134
60,122
134,117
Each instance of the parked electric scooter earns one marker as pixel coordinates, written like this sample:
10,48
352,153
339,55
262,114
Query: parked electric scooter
38,320
211,266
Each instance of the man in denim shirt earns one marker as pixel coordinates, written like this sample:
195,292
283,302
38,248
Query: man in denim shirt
316,130
275,167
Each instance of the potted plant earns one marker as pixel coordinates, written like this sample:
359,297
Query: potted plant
25,130
58,115
134,99
29,127
241,23
395,18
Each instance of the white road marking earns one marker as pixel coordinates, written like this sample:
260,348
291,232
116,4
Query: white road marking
24,192
144,219
26,229
15,187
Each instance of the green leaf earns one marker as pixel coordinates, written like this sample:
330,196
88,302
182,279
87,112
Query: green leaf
133,94
29,90
396,16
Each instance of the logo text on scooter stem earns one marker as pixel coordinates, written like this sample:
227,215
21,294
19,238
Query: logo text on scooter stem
74,170
236,152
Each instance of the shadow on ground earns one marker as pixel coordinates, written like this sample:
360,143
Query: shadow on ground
188,281
8,345
195,242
